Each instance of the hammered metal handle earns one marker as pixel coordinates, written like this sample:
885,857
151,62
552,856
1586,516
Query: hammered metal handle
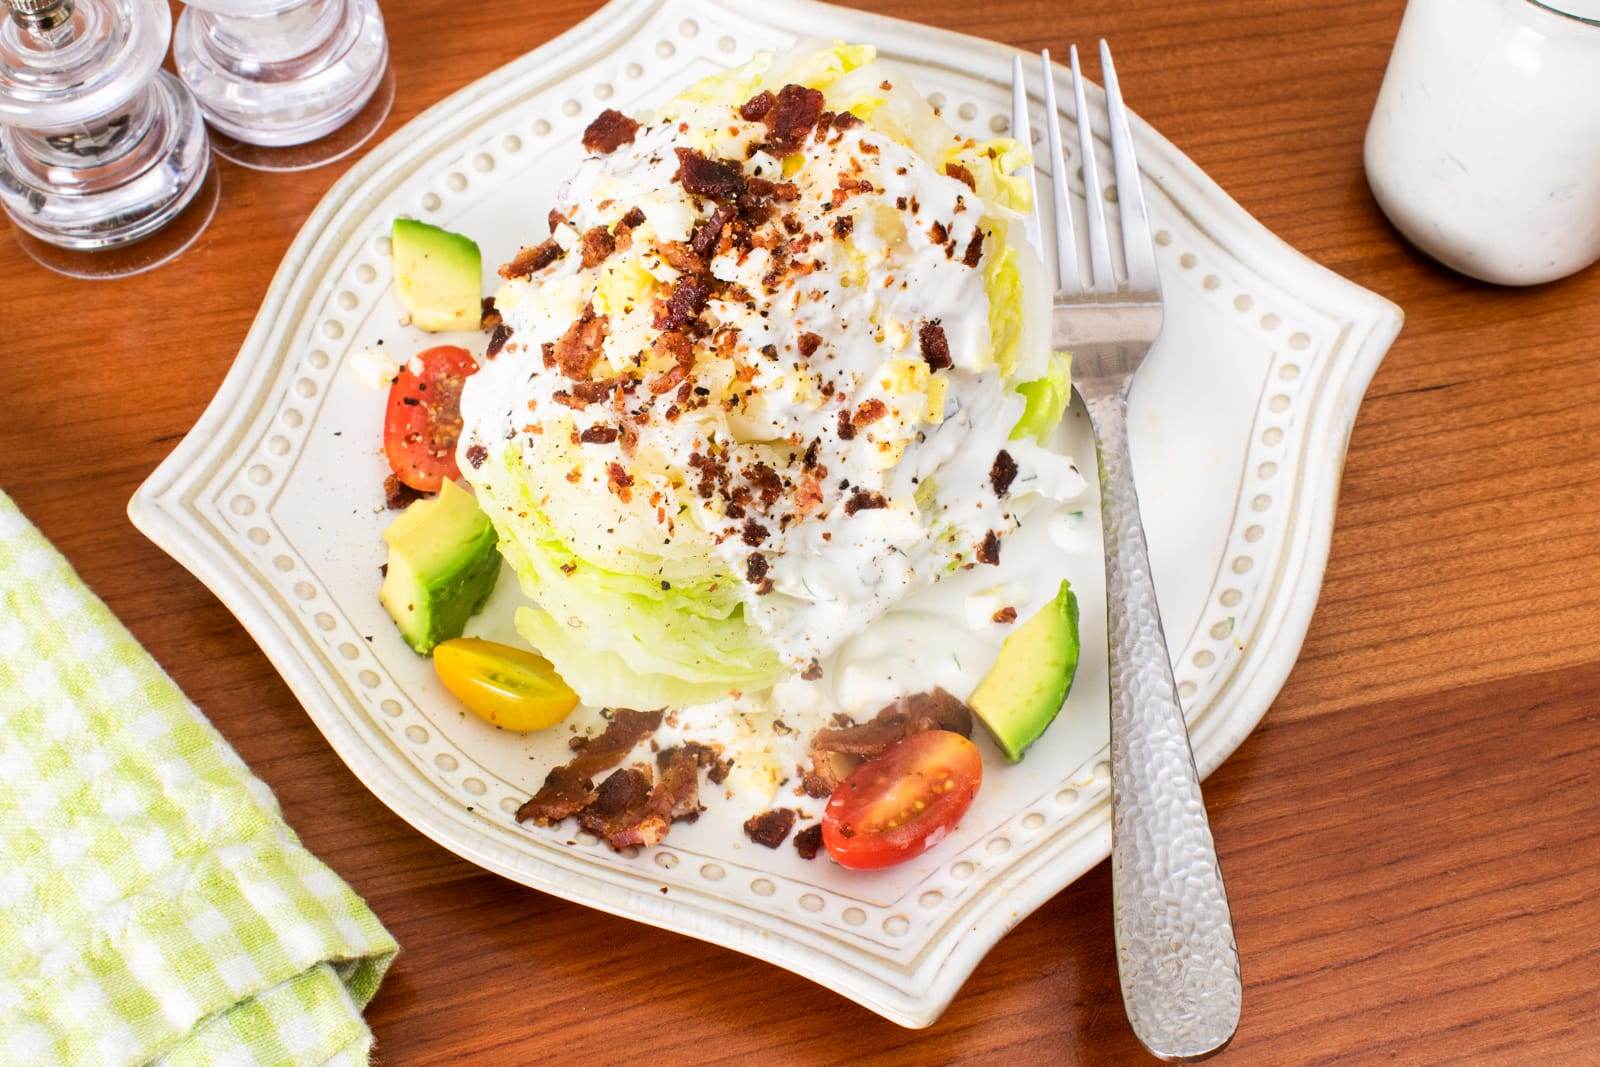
1175,947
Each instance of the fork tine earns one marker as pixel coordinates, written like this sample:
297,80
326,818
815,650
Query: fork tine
1069,280
1104,281
1022,130
1138,253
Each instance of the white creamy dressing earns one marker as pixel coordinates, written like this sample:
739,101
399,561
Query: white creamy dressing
1484,145
834,574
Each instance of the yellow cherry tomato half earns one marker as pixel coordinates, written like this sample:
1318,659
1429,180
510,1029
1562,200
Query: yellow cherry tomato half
510,687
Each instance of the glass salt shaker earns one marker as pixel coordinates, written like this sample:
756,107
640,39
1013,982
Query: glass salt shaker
104,164
1484,147
286,84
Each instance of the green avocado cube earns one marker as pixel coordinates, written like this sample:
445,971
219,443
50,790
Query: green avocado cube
439,276
443,562
1030,679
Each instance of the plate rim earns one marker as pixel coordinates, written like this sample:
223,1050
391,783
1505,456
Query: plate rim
160,507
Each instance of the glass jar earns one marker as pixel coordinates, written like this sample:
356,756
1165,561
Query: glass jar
1484,146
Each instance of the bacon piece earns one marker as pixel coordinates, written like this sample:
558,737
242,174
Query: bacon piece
566,791
753,533
626,729
715,179
476,455
962,175
844,120
397,494
1002,472
756,108
808,842
497,339
755,569
680,257
488,315
989,549
836,751
1005,616
598,435
861,500
770,828
870,412
619,481
529,261
935,346
791,118
579,348
808,343
596,244
619,803
843,225
974,253
610,130
675,796
847,429
684,305
592,392
709,232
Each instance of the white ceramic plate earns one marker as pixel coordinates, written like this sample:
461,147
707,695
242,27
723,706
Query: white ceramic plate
1241,419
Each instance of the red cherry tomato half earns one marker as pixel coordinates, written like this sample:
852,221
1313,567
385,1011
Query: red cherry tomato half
904,802
423,420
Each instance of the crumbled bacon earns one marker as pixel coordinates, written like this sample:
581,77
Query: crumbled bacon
598,435
476,455
566,791
1005,616
870,412
808,842
844,120
596,244
709,232
397,494
791,118
592,392
937,234
770,828
974,253
497,339
808,343
620,481
989,549
681,258
618,803
579,348
847,429
962,175
843,225
755,568
813,671
935,346
756,108
555,218
715,179
625,730
529,261
610,130
488,315
684,305
1002,472
861,500
753,533
836,751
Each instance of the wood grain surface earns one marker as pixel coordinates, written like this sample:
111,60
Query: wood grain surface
1411,838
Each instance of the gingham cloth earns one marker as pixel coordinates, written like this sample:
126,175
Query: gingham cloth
154,907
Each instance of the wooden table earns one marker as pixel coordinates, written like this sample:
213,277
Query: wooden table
1411,837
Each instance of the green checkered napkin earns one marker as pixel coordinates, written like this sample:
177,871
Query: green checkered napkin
154,907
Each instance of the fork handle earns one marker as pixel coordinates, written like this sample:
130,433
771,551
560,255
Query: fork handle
1176,953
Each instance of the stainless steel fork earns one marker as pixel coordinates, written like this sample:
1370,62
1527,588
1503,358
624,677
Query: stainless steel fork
1176,953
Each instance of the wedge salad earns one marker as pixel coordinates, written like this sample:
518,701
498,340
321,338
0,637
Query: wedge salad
780,363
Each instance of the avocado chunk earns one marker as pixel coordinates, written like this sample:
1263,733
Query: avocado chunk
1031,677
443,563
439,276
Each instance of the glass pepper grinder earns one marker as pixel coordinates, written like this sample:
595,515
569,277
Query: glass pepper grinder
104,163
286,84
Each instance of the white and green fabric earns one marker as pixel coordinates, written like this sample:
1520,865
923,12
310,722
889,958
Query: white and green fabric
154,907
